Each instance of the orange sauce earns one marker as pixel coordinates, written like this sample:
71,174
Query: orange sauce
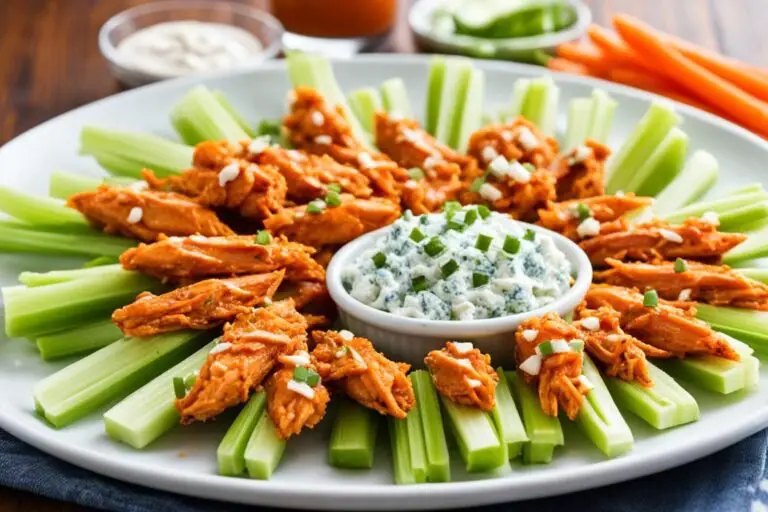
336,18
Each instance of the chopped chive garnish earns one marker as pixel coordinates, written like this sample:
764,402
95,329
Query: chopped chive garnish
470,217
511,245
300,374
263,237
332,198
483,242
680,265
529,235
179,389
415,174
334,187
651,299
577,345
449,268
477,183
458,226
417,235
583,211
190,380
529,167
313,378
484,211
419,284
450,208
316,206
434,247
379,259
479,279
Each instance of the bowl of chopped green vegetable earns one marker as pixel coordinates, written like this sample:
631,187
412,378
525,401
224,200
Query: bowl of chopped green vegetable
521,30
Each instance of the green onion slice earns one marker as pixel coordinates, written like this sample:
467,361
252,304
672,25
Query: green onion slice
334,187
483,242
680,265
316,206
379,259
452,224
577,345
434,247
419,284
479,279
415,174
583,211
477,183
263,237
190,380
511,245
651,299
301,374
179,389
417,235
529,235
449,268
470,217
450,208
484,211
333,198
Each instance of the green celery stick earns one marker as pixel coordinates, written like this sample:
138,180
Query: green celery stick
735,220
509,425
64,184
198,116
22,238
746,189
438,468
401,456
758,274
78,340
664,405
519,97
458,74
699,174
353,439
100,261
754,247
150,411
38,210
394,95
129,152
471,107
649,132
232,111
578,124
662,166
264,449
365,103
544,432
437,69
719,206
34,279
601,116
109,373
231,451
416,445
540,105
744,320
31,312
473,428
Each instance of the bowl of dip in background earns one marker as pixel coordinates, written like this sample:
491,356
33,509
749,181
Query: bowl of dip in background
173,38
409,339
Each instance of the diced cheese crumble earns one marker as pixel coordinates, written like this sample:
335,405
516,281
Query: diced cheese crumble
302,388
228,173
530,335
489,192
139,186
220,347
499,167
463,347
588,227
473,383
613,338
532,365
258,146
711,218
507,136
318,119
579,155
527,139
324,139
586,382
489,153
411,135
300,358
559,346
671,236
519,173
135,215
431,161
685,294
590,323
346,335
466,363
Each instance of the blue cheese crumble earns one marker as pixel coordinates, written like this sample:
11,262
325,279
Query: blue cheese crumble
462,264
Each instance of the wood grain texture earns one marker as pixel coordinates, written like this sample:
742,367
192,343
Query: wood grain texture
50,63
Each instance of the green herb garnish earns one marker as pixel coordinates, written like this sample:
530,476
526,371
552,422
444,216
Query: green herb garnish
484,211
450,208
529,167
316,206
263,237
417,235
419,284
434,247
577,345
477,183
449,268
179,389
415,174
470,217
306,375
680,265
529,235
379,259
333,198
334,187
483,242
452,224
651,299
190,380
583,211
511,245
479,279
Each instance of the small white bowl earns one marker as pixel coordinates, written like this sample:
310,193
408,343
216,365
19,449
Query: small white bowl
409,339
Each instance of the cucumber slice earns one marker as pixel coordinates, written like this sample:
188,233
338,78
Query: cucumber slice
231,451
544,432
476,436
394,95
662,166
509,425
699,174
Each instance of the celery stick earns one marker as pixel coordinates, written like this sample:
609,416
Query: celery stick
663,405
353,439
600,419
458,74
416,445
438,468
519,96
745,320
65,184
17,237
31,312
735,220
718,206
150,411
401,456
231,451
758,274
78,340
753,226
437,68
198,116
264,450
109,373
601,116
39,210
544,432
509,425
578,124
540,105
130,152
645,137
662,166
33,279
471,108
746,189
394,95
699,174
232,111
365,103
100,261
754,247
473,429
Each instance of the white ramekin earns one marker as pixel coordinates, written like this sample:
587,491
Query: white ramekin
409,339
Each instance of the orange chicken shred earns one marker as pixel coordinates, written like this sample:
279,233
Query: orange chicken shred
519,140
519,199
666,327
146,214
248,351
334,225
713,284
564,218
463,376
580,172
201,305
364,374
558,380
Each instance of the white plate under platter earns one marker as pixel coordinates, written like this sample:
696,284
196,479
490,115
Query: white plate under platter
184,460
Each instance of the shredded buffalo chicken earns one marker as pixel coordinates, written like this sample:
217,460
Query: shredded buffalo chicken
519,199
580,172
146,214
564,217
364,374
464,377
334,225
557,381
519,140
666,327
246,354
194,257
718,285
201,305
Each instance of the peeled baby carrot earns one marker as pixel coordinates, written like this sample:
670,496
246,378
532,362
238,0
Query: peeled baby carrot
584,54
568,66
613,48
641,79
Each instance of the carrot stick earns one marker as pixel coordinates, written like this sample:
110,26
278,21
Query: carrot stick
584,54
614,48
640,78
707,86
568,66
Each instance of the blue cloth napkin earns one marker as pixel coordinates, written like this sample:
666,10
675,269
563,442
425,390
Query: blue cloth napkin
729,480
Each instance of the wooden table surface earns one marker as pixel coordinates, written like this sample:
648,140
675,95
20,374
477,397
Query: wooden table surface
50,63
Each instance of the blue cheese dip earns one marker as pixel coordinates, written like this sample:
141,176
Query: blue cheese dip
462,264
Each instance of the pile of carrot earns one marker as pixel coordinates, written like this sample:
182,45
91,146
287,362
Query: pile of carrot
638,55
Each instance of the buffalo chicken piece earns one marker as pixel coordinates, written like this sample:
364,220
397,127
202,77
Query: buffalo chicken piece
146,214
248,351
464,375
557,376
664,326
685,281
362,373
565,217
519,193
201,305
657,241
518,141
333,225
194,257
580,173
